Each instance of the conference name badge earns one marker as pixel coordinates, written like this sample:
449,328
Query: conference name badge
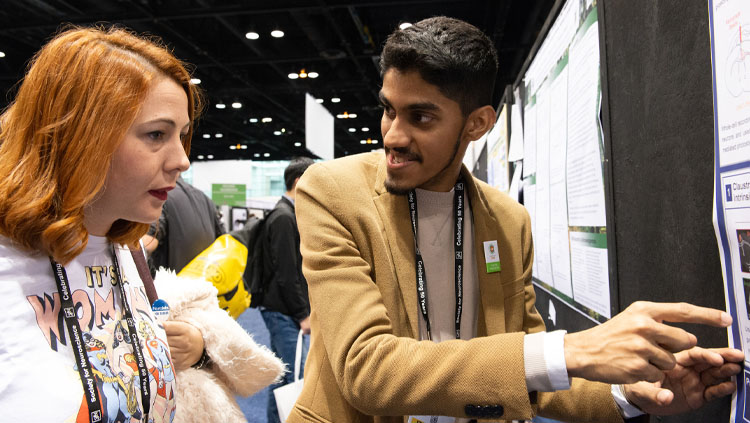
430,419
491,256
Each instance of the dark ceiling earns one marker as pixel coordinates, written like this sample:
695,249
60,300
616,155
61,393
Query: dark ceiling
338,39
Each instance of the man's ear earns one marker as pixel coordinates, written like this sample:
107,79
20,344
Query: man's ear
479,122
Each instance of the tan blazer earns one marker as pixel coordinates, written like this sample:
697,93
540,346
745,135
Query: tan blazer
365,362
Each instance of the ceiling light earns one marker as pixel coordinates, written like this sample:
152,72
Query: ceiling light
335,100
243,146
277,33
277,132
252,35
302,74
283,129
236,105
352,129
200,157
319,100
256,155
221,106
266,154
352,115
313,75
374,141
298,144
2,54
404,25
293,76
232,147
206,135
363,141
365,129
210,156
253,120
219,135
266,120
195,81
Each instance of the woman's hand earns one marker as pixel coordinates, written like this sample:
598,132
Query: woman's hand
185,343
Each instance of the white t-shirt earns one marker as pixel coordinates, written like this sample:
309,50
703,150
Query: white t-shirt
39,380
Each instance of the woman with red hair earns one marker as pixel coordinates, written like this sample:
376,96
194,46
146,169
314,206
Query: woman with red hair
96,137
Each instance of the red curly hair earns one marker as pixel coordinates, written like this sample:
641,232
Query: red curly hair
80,95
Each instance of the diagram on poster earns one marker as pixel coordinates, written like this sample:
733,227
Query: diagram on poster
564,176
730,52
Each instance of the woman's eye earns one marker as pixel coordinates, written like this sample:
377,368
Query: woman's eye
156,135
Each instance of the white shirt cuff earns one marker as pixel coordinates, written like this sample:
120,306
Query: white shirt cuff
627,409
544,361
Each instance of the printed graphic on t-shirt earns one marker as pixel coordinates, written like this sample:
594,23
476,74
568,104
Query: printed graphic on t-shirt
99,315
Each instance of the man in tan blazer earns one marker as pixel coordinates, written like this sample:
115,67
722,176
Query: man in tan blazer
404,329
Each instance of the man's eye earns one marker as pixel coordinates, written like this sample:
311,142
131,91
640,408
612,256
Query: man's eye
422,118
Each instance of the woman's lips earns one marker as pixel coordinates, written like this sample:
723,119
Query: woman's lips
161,194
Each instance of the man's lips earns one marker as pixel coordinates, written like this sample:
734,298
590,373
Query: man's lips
397,161
160,193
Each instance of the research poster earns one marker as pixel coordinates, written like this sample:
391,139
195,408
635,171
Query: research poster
730,56
563,172
497,157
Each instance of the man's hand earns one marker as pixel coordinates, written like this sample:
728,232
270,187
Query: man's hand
636,345
185,343
304,324
699,376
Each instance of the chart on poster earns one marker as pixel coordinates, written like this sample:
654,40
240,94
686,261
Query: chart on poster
730,53
564,185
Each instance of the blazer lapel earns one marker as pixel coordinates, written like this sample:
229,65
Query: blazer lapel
393,211
491,294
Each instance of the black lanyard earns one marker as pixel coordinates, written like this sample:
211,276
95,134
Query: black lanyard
458,221
79,349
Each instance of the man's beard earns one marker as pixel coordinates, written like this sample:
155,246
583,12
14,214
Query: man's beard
399,190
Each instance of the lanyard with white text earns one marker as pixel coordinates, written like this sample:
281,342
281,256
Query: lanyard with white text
458,220
79,349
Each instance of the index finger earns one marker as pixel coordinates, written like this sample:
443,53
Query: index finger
688,313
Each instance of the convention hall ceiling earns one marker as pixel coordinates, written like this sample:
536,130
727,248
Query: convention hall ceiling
337,40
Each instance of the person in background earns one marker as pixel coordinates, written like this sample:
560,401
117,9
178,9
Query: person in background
188,224
94,140
285,307
420,277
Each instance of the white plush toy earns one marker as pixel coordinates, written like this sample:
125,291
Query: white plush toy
239,366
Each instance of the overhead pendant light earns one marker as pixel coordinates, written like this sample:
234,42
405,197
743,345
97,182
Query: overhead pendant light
352,129
335,100
319,100
256,155
302,73
313,75
195,81
252,35
293,75
206,136
236,105
266,154
277,33
2,54
404,25
221,105
200,157
365,129
266,120
298,144
210,156
218,135
253,120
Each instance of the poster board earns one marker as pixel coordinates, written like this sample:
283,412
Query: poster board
563,171
730,57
